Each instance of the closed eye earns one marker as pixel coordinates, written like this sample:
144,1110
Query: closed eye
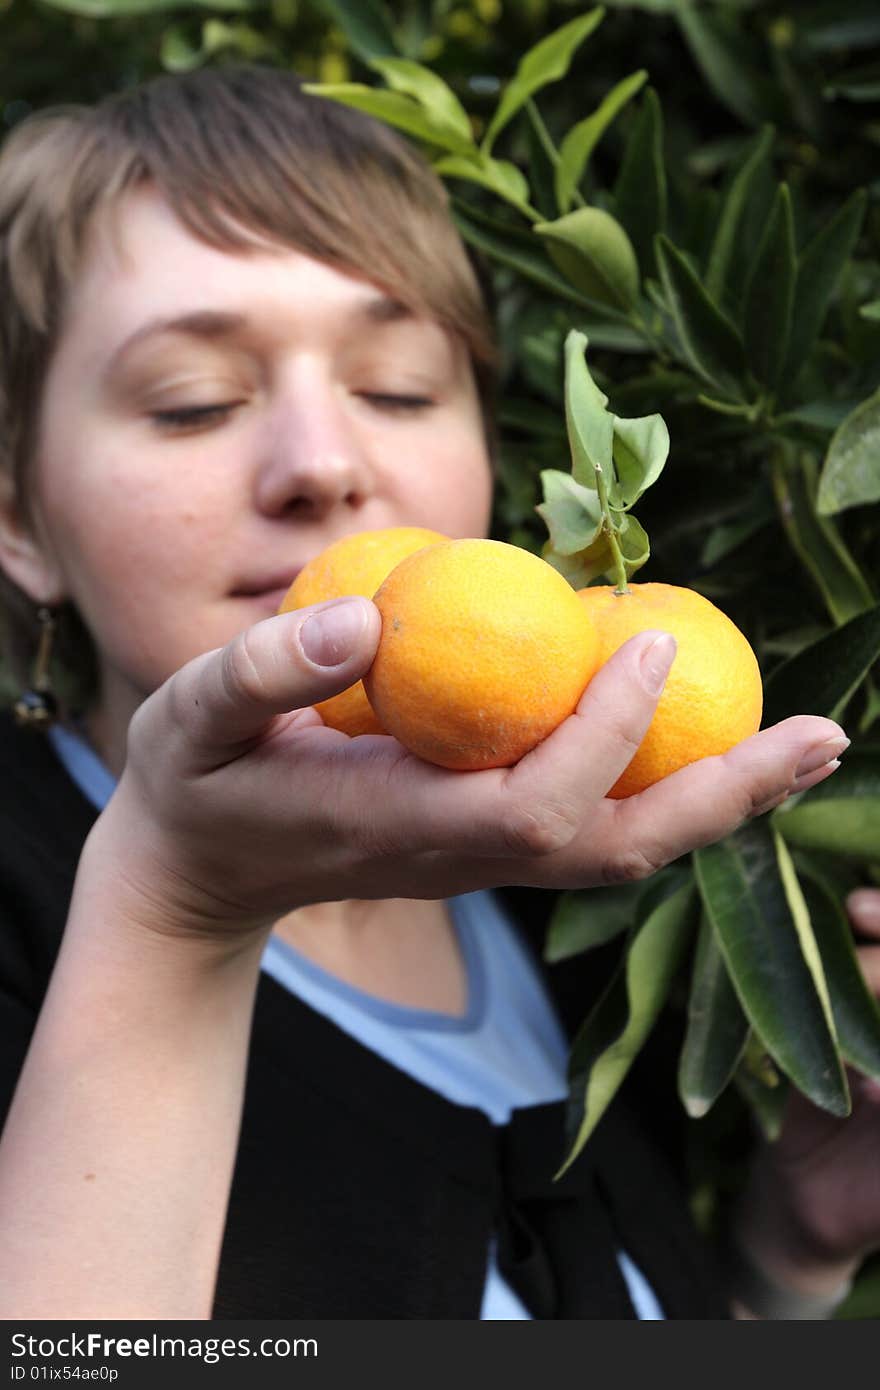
193,416
384,401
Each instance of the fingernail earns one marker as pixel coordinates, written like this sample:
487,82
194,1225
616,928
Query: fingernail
820,754
328,635
812,779
656,661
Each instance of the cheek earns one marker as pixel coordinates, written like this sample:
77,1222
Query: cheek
115,539
455,483
121,519
134,557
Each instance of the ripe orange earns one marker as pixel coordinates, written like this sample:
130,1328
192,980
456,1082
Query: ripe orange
485,648
713,696
355,564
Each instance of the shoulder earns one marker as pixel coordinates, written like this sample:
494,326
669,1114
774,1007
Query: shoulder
44,821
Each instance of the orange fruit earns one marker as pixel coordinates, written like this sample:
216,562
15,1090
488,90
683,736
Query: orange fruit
355,564
485,649
713,696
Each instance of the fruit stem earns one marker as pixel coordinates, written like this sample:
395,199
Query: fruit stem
610,531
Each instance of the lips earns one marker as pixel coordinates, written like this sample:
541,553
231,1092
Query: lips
280,580
267,590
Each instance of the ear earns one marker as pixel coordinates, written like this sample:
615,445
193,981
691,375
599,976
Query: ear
26,559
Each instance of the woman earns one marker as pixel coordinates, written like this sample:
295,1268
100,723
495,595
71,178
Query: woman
238,324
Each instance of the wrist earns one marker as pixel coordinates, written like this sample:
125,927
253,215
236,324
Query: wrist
129,880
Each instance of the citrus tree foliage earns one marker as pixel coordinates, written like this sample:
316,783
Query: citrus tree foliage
685,194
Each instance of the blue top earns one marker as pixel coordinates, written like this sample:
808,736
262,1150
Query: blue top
505,1052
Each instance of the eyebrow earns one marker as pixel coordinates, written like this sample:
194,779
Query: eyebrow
210,324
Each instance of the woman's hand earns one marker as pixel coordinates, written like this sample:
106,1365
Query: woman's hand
237,804
812,1210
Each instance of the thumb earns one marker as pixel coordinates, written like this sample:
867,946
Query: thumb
227,697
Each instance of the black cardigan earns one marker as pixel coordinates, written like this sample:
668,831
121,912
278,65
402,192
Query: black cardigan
358,1192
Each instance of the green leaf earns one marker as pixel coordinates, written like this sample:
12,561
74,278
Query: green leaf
594,252
816,539
570,512
582,920
590,426
763,932
724,243
769,294
801,917
850,475
541,160
818,414
437,100
365,24
178,53
110,9
838,876
641,448
859,84
871,311
871,710
717,1029
616,1028
549,60
578,145
840,816
764,1089
823,677
723,65
508,247
634,545
858,26
498,175
856,1011
395,109
710,341
847,827
629,454
596,560
531,418
248,42
819,269
724,539
640,191
649,6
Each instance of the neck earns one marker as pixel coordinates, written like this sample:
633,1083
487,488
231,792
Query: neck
108,740
402,950
106,722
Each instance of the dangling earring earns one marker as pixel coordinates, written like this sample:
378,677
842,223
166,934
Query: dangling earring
37,707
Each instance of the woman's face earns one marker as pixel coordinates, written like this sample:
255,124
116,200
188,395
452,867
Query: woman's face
213,420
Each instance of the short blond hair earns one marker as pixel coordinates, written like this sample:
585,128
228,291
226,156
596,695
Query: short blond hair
240,153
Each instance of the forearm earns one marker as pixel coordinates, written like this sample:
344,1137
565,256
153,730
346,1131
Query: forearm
116,1160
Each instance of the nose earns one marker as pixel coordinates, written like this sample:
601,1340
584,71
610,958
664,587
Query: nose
312,457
